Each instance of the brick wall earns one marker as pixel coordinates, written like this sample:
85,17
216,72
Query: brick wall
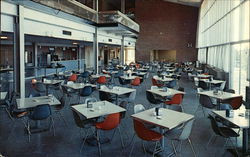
166,26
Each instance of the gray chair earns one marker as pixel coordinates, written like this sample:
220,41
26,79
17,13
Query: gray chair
180,136
205,102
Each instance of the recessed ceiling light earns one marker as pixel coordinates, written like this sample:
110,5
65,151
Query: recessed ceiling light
75,43
3,37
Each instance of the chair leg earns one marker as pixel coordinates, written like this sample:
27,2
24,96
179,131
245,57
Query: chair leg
174,148
192,147
28,129
121,137
8,113
143,146
133,144
98,142
62,117
85,138
234,147
210,139
52,125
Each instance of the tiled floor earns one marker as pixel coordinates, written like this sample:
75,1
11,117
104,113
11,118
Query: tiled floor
67,141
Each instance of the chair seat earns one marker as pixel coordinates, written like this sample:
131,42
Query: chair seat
227,132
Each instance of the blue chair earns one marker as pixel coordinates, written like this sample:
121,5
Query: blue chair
85,75
41,112
171,84
86,91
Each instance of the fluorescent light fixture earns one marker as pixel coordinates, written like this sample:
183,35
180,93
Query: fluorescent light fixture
75,43
3,37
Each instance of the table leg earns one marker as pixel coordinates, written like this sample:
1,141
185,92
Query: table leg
245,140
116,97
46,90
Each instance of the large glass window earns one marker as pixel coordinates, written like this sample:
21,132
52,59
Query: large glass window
240,62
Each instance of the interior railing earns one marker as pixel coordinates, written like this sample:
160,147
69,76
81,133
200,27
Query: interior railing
78,9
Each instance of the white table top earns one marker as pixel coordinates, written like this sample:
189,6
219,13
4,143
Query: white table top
213,81
169,118
52,82
169,92
142,69
100,108
118,90
34,101
169,75
221,95
238,119
96,76
205,76
3,95
166,79
78,85
128,77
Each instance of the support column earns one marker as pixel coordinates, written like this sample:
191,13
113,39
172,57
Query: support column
95,43
35,57
96,50
123,6
122,52
20,55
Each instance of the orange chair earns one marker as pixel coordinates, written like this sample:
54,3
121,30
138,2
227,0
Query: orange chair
102,80
136,81
176,99
112,121
155,83
236,102
73,78
147,135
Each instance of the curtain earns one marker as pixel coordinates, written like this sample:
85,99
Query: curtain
202,55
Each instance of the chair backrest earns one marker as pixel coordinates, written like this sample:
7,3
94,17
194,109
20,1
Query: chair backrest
172,84
138,108
73,78
136,81
34,94
177,99
154,87
236,102
230,91
155,83
110,122
214,125
175,108
86,91
105,96
151,98
144,133
181,89
70,82
196,81
186,130
77,119
132,96
102,80
85,74
222,86
89,100
41,112
203,85
124,105
40,87
205,101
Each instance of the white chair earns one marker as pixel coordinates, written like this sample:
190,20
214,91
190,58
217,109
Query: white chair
154,87
222,86
183,136
138,108
196,81
70,82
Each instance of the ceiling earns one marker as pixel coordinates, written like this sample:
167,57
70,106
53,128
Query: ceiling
194,3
